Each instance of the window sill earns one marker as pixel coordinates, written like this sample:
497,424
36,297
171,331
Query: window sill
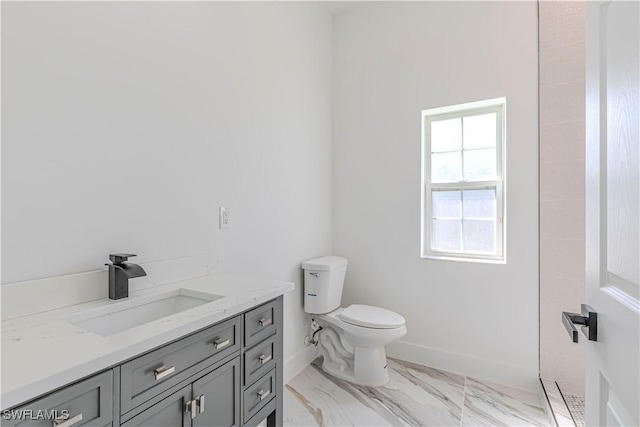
464,259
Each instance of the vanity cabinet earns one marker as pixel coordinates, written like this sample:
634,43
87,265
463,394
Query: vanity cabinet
228,374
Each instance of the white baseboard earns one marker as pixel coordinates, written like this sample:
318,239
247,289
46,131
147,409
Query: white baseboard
483,369
293,365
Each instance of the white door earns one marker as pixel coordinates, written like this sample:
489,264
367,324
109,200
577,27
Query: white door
613,218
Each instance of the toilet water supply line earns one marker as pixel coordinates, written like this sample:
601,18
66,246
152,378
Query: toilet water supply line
316,328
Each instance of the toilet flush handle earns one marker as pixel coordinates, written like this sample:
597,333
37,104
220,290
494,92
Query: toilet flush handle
314,274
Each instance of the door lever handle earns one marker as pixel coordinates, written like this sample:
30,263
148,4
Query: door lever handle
588,319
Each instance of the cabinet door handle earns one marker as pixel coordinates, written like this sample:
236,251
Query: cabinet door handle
163,371
219,343
190,406
200,403
264,359
263,393
59,422
265,322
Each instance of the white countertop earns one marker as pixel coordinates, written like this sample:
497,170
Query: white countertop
43,352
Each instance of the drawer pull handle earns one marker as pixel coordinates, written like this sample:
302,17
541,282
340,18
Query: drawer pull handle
190,406
201,404
163,372
265,322
263,393
59,422
264,359
221,343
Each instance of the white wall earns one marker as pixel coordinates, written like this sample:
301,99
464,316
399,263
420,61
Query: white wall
125,126
392,60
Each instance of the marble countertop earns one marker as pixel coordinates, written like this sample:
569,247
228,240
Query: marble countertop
43,352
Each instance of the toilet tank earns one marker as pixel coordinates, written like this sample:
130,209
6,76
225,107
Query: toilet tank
323,282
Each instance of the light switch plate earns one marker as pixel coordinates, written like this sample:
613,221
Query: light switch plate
223,217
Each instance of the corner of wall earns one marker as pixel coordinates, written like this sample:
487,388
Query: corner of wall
296,363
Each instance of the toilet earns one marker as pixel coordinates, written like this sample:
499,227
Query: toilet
352,338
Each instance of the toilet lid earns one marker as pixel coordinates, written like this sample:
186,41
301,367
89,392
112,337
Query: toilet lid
371,317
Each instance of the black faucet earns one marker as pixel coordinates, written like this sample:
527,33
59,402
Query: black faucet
119,274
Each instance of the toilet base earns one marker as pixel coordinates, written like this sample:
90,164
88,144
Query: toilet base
369,367
359,365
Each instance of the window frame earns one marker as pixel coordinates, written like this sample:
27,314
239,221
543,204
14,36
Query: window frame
497,105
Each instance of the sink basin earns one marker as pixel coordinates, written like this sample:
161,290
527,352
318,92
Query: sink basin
123,315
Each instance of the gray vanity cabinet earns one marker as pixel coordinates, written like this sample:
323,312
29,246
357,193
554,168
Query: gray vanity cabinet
228,374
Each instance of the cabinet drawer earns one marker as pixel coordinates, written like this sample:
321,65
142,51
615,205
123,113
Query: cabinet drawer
260,323
150,374
259,394
259,360
88,402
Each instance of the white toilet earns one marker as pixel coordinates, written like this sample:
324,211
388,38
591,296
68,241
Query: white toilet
353,338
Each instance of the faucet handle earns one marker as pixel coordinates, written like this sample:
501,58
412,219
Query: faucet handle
119,258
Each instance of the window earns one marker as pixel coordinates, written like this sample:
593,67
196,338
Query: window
463,182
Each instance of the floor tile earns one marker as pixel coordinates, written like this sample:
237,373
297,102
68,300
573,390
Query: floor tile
415,396
488,404
325,402
418,395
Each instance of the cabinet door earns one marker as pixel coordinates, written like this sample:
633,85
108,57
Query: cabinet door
169,412
218,397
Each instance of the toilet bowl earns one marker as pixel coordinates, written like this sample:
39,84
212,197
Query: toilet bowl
352,339
359,355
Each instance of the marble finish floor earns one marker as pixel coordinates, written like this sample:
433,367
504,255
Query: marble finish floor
415,396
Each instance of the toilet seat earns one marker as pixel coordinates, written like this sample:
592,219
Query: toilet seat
371,317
